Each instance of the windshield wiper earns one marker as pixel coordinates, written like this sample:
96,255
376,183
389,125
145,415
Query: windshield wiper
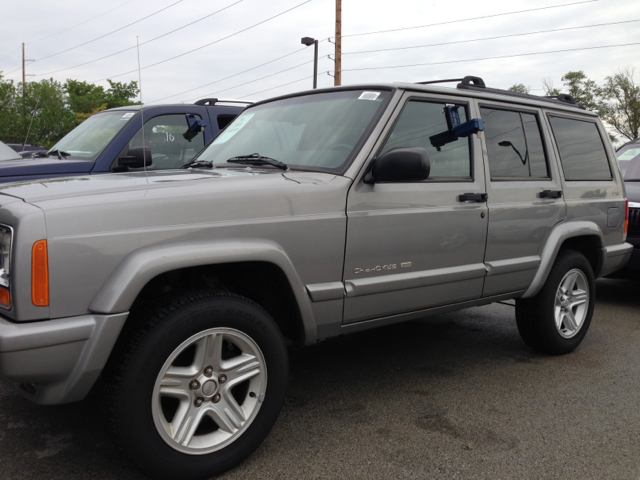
59,153
195,163
257,159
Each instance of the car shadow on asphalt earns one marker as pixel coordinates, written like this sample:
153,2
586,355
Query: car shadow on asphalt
620,292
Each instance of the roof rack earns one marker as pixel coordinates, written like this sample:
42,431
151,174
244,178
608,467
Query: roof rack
212,101
476,83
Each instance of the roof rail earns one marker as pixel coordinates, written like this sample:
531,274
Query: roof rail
213,101
476,83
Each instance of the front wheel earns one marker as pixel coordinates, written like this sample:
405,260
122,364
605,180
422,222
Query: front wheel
199,386
556,320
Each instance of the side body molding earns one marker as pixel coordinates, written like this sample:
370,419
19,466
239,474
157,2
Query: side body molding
559,234
140,266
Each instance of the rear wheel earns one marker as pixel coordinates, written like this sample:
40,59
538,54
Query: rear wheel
556,320
198,386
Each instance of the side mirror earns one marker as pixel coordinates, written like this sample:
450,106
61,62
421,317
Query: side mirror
137,157
400,165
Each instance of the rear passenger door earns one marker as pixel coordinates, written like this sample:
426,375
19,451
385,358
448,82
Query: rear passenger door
525,194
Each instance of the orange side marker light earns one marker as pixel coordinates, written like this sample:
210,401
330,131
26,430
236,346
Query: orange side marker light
40,274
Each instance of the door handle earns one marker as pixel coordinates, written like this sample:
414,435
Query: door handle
473,197
551,194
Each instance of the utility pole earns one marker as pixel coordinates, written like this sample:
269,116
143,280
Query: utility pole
24,73
338,71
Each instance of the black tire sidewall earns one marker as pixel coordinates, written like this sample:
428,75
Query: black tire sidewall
136,428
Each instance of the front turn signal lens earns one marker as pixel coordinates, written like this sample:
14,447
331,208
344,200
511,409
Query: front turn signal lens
5,298
40,274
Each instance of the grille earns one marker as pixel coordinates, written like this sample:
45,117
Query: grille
634,222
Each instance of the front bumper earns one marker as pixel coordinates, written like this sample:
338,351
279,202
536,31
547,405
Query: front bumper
57,361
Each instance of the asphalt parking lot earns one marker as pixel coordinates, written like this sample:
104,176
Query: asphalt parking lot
452,396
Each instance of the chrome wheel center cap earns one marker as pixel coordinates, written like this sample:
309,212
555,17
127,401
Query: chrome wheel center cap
209,388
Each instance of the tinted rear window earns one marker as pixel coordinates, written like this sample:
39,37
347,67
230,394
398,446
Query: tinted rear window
581,149
514,144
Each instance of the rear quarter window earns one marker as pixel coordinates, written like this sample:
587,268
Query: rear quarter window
581,148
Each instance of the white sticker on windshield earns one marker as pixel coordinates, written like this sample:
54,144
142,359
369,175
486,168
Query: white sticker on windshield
128,115
237,125
629,154
369,96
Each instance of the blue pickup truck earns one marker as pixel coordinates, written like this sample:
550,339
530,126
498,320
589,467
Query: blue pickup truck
114,141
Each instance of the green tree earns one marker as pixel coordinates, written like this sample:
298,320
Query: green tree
48,110
121,94
45,117
584,90
8,111
520,88
549,89
621,103
83,97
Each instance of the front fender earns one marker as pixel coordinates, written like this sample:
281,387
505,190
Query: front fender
141,266
558,235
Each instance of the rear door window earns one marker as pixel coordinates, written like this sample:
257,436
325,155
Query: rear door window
514,144
582,152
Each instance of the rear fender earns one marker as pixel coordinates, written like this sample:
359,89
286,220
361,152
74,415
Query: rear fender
557,237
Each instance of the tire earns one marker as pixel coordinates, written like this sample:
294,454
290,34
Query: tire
556,320
171,414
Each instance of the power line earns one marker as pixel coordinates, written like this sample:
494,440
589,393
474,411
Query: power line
488,38
12,71
67,29
10,53
230,76
77,25
208,44
257,79
468,19
110,33
278,86
143,43
492,58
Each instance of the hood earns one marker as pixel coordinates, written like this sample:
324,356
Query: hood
186,181
42,166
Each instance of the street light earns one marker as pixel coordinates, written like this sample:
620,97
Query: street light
308,41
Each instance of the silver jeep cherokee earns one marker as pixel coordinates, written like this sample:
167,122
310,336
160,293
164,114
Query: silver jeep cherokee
312,215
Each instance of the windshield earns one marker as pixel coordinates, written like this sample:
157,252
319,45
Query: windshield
91,136
318,131
629,160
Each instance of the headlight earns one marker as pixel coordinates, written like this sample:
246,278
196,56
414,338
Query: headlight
6,236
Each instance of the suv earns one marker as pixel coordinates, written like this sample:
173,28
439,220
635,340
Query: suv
26,150
311,216
113,141
629,160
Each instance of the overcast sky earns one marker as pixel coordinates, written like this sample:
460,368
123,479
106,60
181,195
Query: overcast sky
55,31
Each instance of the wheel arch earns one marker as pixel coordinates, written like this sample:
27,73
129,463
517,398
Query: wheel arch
585,237
238,266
